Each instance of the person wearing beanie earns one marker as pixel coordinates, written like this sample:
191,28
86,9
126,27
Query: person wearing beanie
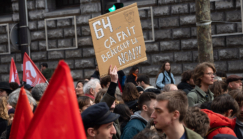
11,115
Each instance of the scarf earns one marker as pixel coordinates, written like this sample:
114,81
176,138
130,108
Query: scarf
136,77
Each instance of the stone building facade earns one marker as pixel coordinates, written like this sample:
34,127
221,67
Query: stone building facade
175,36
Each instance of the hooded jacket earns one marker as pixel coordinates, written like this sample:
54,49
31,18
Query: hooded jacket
186,87
219,124
152,89
136,124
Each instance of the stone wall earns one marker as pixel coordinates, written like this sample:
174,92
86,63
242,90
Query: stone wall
175,37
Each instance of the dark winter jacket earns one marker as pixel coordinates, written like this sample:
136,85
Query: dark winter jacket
3,125
198,96
152,89
133,105
96,75
131,78
219,124
238,128
136,124
185,87
109,98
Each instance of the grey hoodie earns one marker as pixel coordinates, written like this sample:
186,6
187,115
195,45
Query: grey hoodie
137,115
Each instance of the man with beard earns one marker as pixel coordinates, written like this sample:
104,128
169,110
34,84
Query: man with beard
234,82
187,83
139,120
169,112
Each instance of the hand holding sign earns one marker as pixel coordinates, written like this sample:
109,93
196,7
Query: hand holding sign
118,39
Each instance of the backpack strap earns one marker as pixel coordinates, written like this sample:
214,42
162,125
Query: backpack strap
163,81
213,129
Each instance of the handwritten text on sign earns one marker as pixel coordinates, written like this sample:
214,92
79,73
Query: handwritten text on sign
118,39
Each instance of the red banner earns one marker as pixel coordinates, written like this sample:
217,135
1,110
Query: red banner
13,77
31,74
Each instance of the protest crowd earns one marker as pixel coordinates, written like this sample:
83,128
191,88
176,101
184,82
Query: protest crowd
205,104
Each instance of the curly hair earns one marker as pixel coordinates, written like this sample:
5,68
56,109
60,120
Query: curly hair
218,88
199,72
197,120
3,108
130,92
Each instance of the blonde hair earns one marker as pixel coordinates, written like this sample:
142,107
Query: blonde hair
3,108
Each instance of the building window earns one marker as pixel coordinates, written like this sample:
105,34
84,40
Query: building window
67,3
5,7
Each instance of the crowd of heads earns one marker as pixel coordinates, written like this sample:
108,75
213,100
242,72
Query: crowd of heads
134,108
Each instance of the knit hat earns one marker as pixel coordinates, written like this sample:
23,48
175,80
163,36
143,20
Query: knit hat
11,111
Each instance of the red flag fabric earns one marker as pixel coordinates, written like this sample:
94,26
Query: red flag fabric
31,74
57,115
13,77
22,116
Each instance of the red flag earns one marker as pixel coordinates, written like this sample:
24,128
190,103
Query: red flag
57,115
13,77
31,74
22,117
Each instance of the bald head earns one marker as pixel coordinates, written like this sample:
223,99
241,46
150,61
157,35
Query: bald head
170,87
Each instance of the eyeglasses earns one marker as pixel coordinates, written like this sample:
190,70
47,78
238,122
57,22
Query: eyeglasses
210,74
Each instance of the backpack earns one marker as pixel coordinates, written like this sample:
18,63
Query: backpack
163,82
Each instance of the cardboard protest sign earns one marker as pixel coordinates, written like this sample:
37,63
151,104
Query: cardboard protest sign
118,39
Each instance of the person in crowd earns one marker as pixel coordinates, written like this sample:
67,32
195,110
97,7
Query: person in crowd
172,108
140,89
124,112
11,115
149,134
105,82
165,76
217,78
28,87
218,88
130,96
14,96
169,87
38,91
110,97
91,88
143,81
96,74
3,115
99,95
13,86
197,121
121,79
84,102
98,121
4,89
234,82
203,78
140,119
133,75
221,74
238,96
206,105
224,108
47,73
187,83
79,88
